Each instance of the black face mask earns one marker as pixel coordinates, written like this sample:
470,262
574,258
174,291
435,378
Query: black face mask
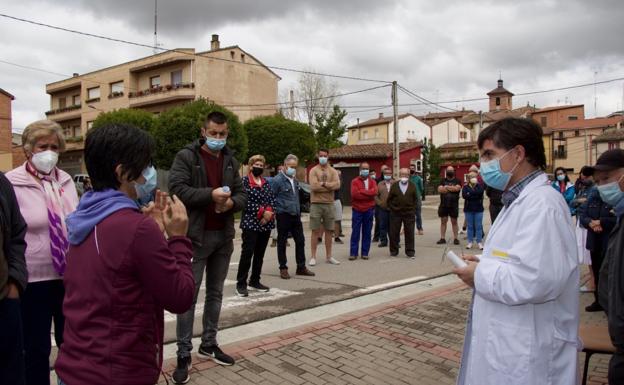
257,171
412,172
450,174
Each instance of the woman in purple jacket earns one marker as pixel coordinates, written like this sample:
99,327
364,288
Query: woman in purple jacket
121,271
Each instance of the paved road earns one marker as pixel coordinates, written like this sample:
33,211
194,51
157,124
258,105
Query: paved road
331,283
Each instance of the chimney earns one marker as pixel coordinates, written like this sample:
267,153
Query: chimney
214,43
500,83
75,74
381,115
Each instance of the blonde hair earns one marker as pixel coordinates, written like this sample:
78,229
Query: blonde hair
41,129
255,159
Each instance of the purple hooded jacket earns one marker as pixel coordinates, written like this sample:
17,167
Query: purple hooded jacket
121,274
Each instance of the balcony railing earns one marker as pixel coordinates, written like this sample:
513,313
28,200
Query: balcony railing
560,154
64,109
160,89
116,94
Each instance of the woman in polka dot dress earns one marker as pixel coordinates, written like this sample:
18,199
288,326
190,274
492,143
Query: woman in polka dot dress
257,221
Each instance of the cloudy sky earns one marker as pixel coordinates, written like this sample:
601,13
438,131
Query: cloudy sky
442,50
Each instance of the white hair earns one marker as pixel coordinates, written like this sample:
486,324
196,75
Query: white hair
290,157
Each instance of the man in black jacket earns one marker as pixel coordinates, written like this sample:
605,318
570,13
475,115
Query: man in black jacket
609,176
204,175
13,280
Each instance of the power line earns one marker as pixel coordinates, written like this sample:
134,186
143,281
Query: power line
286,69
421,99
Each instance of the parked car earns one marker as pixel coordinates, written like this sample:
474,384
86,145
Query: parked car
79,182
304,197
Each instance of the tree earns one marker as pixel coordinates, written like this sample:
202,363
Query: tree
432,163
179,126
317,96
138,118
329,128
275,137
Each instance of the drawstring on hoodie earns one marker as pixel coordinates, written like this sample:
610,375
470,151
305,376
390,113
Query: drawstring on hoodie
97,245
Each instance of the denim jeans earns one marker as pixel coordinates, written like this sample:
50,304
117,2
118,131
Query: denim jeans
212,257
12,341
362,223
474,223
419,225
384,225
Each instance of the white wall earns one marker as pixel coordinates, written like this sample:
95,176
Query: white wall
448,132
410,129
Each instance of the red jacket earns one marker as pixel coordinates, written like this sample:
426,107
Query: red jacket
117,286
361,198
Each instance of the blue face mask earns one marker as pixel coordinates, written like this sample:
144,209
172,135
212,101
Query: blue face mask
144,191
364,173
323,160
215,144
611,194
492,174
290,171
387,177
561,177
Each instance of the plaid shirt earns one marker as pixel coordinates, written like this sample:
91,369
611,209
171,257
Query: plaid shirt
514,192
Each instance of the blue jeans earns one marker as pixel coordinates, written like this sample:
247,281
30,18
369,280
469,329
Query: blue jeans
361,222
384,223
419,214
474,222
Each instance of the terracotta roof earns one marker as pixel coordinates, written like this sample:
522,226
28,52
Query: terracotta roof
582,124
458,145
445,115
555,108
500,90
495,116
610,135
7,94
369,151
376,121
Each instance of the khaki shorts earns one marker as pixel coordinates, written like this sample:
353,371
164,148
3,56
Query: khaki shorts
322,214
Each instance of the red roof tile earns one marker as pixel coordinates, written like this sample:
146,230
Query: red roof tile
586,124
369,151
610,135
385,119
555,108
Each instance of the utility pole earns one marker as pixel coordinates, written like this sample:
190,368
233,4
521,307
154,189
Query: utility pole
395,153
292,104
586,149
480,125
155,27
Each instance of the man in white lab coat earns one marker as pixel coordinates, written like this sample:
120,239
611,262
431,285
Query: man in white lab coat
523,323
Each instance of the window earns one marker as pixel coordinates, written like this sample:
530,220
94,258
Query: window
89,125
93,93
242,57
376,132
561,152
572,117
67,132
614,145
560,134
154,81
365,135
62,102
353,132
116,87
498,101
76,100
232,55
176,77
577,133
544,121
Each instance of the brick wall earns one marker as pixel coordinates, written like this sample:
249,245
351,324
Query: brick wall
5,123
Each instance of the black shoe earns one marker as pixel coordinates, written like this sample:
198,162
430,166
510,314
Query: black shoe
593,307
394,254
338,240
258,286
320,239
181,373
216,354
241,291
375,239
383,245
442,241
456,241
342,235
352,257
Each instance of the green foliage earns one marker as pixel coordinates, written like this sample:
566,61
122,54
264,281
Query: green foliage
180,126
329,128
138,118
432,163
275,137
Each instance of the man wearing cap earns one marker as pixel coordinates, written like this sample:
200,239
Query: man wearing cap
609,177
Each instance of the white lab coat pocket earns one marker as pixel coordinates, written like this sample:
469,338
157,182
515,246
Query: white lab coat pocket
508,353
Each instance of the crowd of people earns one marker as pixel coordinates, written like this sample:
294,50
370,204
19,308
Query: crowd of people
103,268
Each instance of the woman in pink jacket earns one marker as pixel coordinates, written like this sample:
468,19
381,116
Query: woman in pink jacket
46,195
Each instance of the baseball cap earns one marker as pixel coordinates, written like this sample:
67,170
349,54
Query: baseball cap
609,160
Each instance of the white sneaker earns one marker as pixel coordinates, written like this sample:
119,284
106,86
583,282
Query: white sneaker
333,261
469,245
312,262
480,246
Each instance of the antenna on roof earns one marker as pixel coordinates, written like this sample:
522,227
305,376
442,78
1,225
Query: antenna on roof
156,27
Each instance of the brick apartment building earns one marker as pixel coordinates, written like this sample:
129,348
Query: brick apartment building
6,158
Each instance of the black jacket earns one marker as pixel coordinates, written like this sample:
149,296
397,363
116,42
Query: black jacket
402,203
187,180
13,227
611,285
473,198
594,208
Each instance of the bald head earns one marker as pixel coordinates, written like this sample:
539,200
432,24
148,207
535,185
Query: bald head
404,173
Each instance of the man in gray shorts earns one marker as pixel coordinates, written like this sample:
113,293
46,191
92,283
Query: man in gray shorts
324,181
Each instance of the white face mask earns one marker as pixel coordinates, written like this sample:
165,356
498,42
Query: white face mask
45,161
404,180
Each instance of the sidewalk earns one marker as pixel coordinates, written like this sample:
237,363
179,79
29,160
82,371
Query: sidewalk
415,340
